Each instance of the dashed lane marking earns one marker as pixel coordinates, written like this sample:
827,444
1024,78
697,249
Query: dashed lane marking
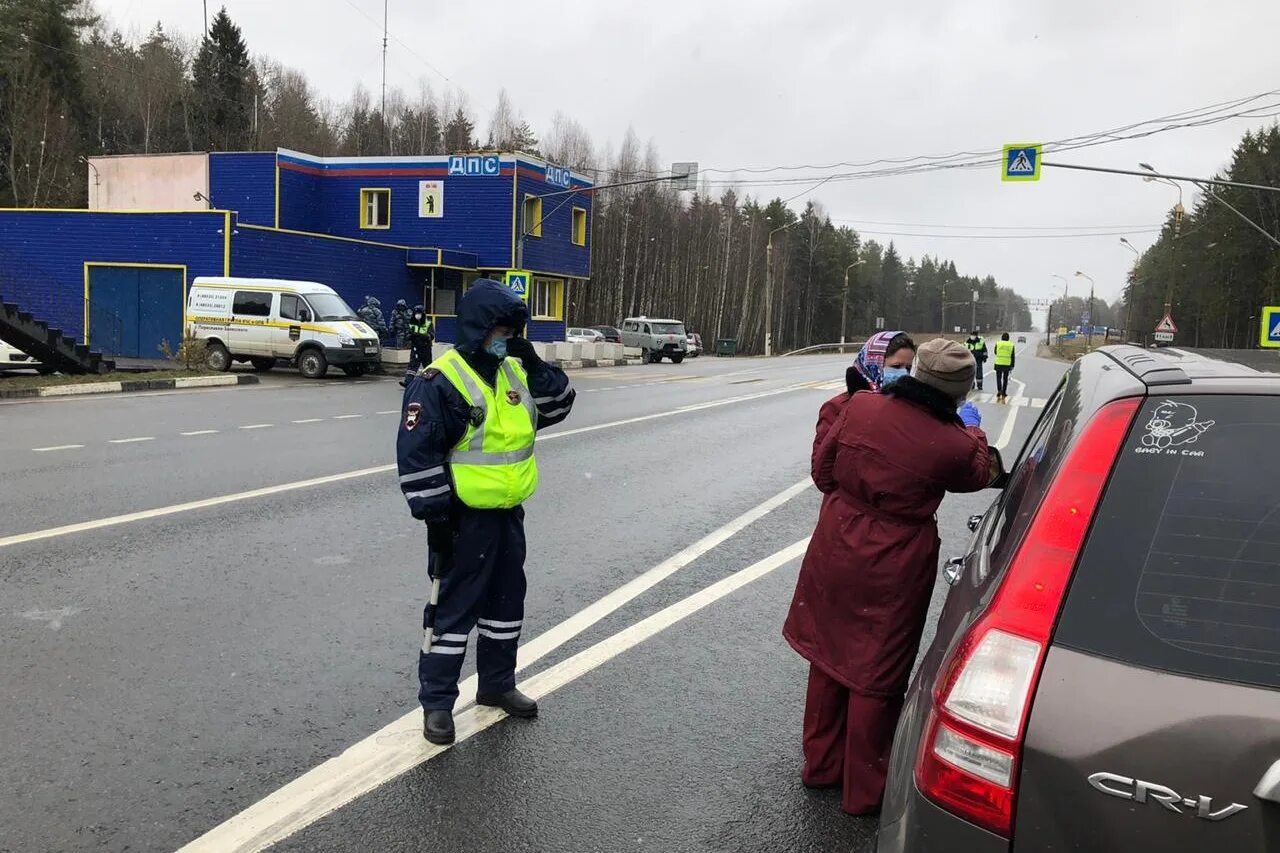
201,432
399,746
346,417
307,421
384,412
257,426
131,440
57,447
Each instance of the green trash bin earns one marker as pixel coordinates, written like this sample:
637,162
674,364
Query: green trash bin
726,346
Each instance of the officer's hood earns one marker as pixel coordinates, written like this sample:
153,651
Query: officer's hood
487,304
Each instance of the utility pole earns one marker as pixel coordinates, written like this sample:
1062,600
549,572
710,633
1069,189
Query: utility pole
385,124
844,299
1090,335
206,20
973,319
944,307
768,288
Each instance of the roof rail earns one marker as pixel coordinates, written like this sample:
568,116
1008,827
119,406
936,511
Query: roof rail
1149,368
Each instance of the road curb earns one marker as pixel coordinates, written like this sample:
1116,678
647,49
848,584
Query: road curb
127,385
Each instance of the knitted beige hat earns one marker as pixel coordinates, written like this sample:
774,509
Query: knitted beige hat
945,365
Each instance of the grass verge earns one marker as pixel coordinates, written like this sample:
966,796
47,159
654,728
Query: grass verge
22,381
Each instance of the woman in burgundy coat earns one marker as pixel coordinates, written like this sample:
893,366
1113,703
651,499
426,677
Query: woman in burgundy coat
864,587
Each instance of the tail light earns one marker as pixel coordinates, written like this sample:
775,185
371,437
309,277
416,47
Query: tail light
969,757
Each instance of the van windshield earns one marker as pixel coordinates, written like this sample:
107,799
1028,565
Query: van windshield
668,329
329,306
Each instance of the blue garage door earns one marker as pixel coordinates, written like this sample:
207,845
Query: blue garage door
133,309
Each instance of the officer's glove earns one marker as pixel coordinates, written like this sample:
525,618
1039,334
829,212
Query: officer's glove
969,415
522,349
440,538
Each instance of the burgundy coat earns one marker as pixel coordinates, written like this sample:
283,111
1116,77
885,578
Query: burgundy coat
863,593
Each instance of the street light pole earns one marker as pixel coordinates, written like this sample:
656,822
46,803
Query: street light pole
844,299
1047,323
768,288
1128,302
1090,337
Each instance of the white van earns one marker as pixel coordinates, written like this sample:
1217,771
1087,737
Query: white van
262,320
12,358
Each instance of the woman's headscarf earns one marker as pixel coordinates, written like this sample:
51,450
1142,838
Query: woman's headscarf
870,359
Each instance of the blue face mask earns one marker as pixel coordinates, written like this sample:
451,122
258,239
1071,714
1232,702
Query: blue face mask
498,348
892,375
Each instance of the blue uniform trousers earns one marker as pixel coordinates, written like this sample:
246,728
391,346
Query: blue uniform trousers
484,587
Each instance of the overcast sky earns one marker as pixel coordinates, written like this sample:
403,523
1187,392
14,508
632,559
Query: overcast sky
756,84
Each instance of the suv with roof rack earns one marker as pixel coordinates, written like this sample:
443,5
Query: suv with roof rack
1106,670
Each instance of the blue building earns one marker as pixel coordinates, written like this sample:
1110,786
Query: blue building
115,276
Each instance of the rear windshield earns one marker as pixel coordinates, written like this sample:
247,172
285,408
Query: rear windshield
667,329
1181,571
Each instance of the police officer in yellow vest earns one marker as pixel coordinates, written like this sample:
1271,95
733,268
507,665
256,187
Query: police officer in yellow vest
1004,366
466,462
977,345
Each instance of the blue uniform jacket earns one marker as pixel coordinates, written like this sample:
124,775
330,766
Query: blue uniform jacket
435,414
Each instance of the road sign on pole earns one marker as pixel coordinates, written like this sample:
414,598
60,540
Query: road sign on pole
1166,325
1271,327
1021,162
518,281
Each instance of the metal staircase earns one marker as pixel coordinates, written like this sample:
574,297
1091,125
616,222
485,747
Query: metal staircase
20,329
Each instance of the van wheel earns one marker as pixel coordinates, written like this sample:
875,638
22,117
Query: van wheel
676,359
217,358
263,364
312,364
646,356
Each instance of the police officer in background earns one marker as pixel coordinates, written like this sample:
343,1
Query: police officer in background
400,323
466,462
977,345
422,334
1005,351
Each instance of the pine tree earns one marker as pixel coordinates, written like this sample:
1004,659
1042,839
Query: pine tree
223,88
459,133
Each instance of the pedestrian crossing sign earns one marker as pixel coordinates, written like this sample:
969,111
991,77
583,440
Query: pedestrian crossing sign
1271,327
1021,162
518,281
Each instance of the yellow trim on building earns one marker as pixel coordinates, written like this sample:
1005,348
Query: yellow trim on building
277,162
534,230
515,207
226,244
88,264
366,192
216,210
555,297
330,237
579,231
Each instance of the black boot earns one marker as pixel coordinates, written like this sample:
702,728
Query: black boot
513,702
437,727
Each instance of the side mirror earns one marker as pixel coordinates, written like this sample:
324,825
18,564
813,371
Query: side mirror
999,476
304,316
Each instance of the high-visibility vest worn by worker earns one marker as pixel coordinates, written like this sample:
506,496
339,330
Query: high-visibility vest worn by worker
976,347
493,465
421,330
1004,354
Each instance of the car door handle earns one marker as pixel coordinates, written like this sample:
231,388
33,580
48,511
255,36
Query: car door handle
1269,786
951,573
975,521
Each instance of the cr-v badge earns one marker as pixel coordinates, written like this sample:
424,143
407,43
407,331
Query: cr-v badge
1115,785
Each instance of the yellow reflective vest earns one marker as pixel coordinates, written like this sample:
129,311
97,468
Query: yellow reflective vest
1004,354
493,465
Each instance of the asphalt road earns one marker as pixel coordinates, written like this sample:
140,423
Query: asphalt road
179,646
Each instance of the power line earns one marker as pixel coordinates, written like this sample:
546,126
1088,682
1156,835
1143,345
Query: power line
1142,227
1010,236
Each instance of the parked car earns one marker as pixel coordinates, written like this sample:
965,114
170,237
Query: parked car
694,341
656,339
262,320
612,334
1022,339
12,358
1106,670
583,336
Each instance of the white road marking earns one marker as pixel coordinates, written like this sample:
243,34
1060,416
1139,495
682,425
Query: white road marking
57,447
346,417
257,426
383,412
159,512
308,421
131,440
201,432
1006,434
399,746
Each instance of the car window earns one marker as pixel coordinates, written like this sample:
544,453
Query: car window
1028,480
1181,571
251,303
289,306
668,328
647,330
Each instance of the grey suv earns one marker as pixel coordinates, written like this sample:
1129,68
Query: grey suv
1106,671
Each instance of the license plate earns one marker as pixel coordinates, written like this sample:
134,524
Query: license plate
370,350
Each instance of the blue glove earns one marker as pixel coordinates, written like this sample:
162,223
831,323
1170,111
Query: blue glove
970,415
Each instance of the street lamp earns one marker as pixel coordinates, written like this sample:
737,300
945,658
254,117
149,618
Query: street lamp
1082,275
768,287
1128,301
1048,320
844,298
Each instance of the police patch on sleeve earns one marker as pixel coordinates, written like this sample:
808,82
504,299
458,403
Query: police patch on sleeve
412,415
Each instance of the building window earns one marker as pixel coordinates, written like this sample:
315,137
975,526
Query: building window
375,208
250,303
546,300
446,302
579,226
532,216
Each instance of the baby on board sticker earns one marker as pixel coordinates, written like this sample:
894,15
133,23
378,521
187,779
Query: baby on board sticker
1173,424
